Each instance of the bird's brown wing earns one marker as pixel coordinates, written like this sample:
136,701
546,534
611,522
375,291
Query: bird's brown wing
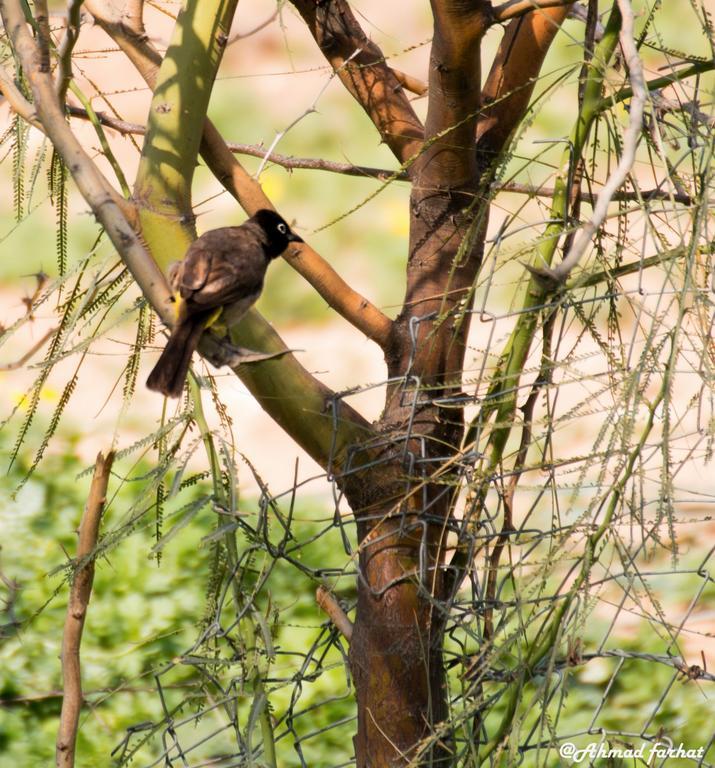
224,266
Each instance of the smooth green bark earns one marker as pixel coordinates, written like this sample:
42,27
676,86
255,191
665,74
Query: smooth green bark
174,126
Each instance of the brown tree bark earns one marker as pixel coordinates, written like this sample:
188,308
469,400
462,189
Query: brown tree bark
403,510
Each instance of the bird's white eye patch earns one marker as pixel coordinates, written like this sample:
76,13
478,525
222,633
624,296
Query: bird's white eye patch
282,228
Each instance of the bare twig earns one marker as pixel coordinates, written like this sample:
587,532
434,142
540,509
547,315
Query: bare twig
630,143
30,352
330,605
309,111
77,611
362,171
253,30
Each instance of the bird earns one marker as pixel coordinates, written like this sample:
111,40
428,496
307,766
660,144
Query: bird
222,273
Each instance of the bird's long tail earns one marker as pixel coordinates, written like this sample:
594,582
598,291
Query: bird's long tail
169,374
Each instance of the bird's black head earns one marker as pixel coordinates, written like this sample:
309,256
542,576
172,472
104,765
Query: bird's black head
278,233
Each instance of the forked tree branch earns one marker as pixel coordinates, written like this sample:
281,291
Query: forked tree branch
350,304
296,400
77,611
446,218
292,396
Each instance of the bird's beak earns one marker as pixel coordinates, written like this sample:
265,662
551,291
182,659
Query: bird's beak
293,238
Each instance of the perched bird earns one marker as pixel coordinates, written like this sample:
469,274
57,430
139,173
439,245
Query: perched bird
222,270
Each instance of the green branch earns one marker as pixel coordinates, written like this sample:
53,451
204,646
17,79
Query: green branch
175,125
659,82
299,403
99,130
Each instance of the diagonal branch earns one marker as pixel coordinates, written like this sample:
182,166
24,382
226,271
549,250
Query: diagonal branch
507,91
344,299
366,75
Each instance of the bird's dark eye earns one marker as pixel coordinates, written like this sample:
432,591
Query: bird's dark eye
282,228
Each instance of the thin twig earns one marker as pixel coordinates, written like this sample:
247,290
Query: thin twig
630,144
77,611
30,352
309,111
106,149
330,605
363,171
253,30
